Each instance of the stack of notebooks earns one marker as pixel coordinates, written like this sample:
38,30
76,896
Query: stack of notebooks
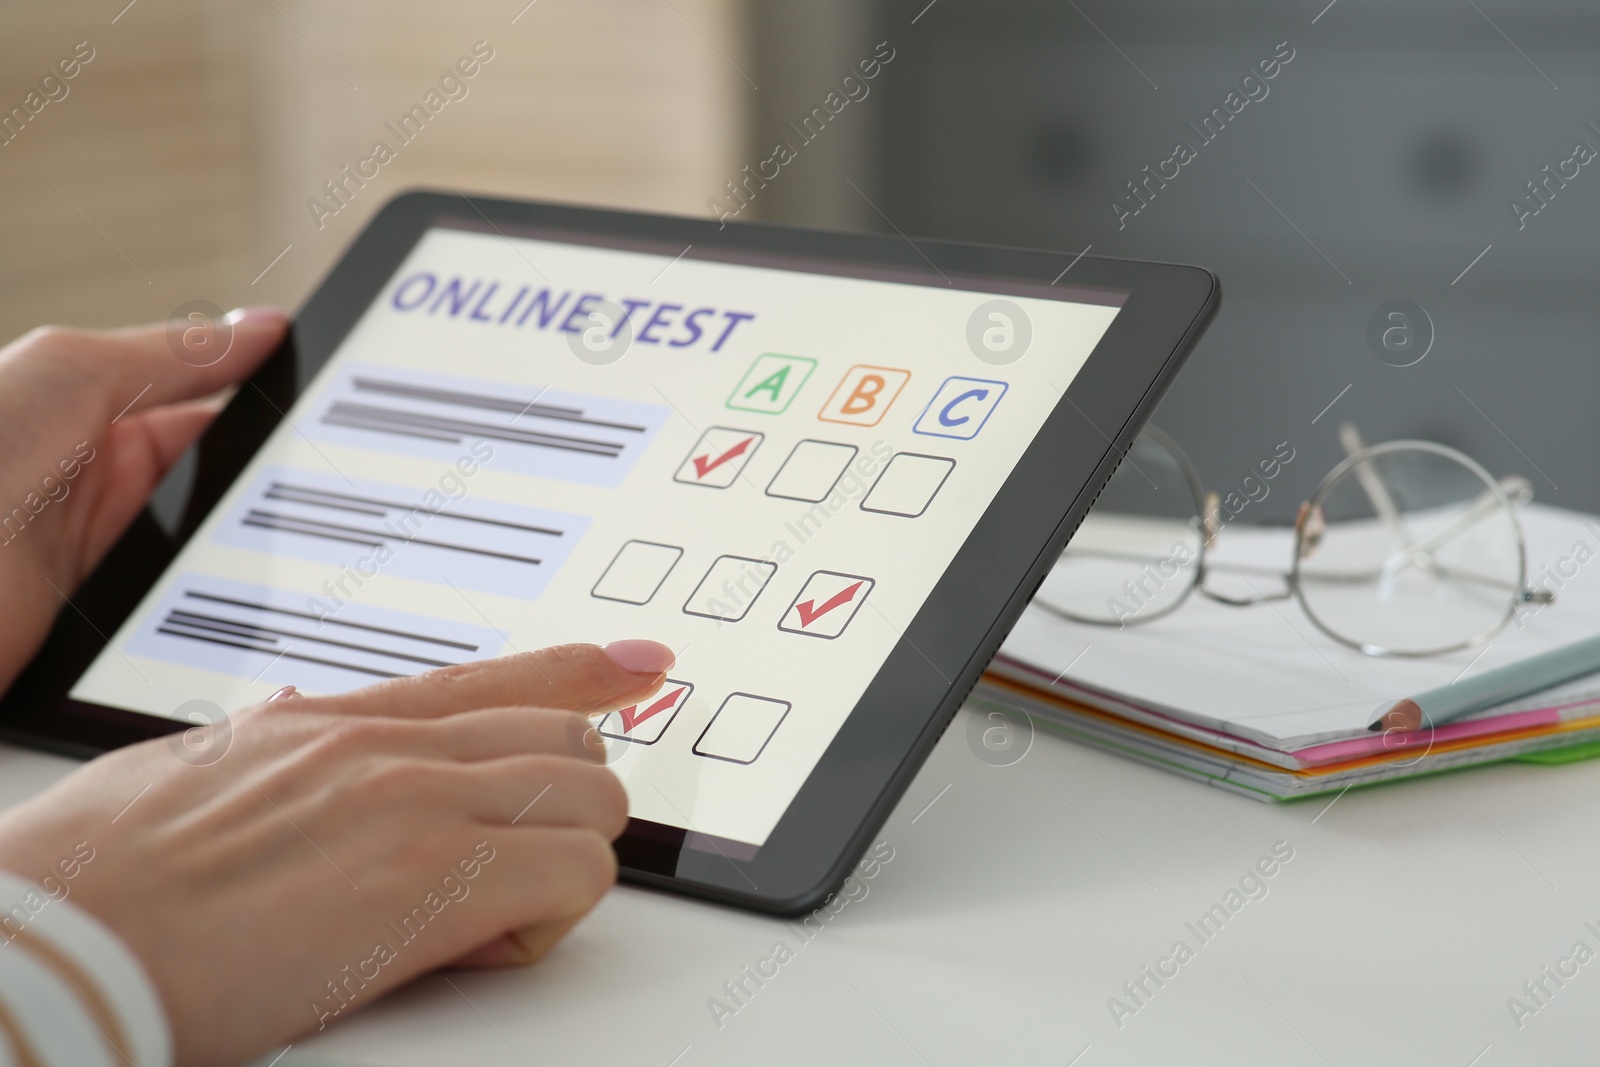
1259,701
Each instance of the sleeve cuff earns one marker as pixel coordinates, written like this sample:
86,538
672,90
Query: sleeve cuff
96,1002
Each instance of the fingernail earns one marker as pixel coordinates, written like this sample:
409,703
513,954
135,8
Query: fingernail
640,657
256,313
285,693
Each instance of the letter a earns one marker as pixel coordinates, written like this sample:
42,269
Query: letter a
772,386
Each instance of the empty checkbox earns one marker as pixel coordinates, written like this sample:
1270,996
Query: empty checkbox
637,572
729,588
740,730
908,484
811,471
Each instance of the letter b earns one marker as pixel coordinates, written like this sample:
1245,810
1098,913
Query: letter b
865,396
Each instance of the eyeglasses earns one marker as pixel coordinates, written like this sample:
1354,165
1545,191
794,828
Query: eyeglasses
1407,548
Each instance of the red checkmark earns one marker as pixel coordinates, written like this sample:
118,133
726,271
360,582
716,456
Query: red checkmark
810,613
704,465
632,716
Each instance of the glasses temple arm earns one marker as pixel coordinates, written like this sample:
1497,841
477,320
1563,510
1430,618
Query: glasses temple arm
1372,485
1486,504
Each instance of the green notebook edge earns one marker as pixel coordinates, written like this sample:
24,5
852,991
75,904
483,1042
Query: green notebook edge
1555,756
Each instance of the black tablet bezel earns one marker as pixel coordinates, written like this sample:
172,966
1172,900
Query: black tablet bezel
922,684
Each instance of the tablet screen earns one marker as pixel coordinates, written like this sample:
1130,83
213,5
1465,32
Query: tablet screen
527,441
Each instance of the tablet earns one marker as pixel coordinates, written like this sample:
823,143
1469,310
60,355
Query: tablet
827,469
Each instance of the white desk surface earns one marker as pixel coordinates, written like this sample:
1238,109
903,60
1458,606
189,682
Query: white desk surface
1406,919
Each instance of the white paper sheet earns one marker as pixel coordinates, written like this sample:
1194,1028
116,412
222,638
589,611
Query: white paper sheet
1267,674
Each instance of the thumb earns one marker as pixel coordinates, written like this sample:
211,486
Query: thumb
63,389
574,677
520,947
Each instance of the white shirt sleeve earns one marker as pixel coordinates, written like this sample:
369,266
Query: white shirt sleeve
71,994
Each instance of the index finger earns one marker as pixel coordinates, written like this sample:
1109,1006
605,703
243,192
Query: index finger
574,677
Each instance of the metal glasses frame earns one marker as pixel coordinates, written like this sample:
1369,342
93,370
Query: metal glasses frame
1310,525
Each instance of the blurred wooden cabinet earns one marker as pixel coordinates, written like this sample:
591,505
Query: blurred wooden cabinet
181,160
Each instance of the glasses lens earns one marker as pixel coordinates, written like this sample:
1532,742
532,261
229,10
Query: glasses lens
1411,551
1137,553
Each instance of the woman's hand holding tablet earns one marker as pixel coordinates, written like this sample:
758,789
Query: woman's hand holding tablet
96,416
827,470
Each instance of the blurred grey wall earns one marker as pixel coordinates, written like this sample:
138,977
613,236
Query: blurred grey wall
1377,164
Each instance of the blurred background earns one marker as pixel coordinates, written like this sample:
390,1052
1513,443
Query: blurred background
1382,164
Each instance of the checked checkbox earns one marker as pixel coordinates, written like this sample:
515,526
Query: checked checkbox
826,604
717,458
644,723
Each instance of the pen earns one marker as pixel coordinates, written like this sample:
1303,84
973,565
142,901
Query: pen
1438,706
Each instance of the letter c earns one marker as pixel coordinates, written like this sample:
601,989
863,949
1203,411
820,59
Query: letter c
1162,971
970,394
